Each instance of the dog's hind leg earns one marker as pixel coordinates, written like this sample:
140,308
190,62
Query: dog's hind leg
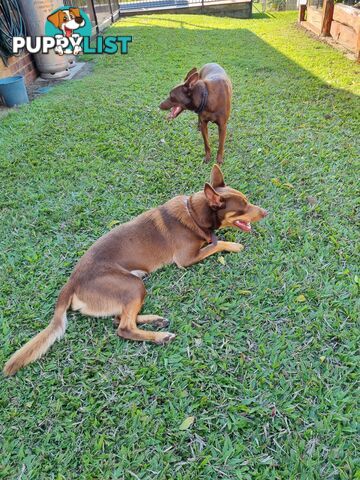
156,320
129,317
222,136
128,329
122,294
205,134
159,322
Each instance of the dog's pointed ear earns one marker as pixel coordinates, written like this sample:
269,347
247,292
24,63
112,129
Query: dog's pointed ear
217,177
190,82
214,200
193,70
75,11
56,18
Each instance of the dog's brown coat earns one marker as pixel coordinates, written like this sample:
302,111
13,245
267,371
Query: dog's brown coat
106,281
212,79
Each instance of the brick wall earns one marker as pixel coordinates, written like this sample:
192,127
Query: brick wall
20,65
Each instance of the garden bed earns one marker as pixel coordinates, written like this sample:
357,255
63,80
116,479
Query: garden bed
344,24
345,27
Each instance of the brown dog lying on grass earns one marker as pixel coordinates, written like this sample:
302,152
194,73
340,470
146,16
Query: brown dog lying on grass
107,279
207,93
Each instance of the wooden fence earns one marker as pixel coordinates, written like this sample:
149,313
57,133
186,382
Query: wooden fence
339,21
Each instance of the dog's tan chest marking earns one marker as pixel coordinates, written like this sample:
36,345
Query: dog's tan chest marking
138,273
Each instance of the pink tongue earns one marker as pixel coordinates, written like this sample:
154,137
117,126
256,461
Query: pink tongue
246,227
175,111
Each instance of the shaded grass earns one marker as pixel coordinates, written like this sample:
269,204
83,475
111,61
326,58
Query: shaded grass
266,354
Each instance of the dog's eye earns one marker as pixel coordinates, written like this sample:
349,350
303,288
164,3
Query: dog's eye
238,213
72,17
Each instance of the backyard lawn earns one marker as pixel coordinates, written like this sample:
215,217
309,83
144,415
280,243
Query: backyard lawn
266,354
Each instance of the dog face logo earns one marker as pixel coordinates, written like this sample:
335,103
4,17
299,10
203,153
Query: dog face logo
67,20
68,30
69,25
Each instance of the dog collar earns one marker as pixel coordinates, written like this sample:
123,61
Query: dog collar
204,99
209,234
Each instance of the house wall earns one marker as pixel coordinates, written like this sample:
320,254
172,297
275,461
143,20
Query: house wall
20,65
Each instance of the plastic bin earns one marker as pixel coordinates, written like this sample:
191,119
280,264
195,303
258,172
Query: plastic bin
13,91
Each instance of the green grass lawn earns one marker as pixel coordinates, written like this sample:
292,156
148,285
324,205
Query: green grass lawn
266,354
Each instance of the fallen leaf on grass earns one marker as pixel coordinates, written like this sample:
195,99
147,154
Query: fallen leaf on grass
301,298
221,260
113,223
278,183
186,424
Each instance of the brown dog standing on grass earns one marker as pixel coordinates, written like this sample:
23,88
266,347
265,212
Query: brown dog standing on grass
207,93
107,279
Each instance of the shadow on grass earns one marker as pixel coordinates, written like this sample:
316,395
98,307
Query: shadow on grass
67,178
261,15
250,48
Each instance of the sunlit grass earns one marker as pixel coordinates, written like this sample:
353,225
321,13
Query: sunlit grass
266,353
279,31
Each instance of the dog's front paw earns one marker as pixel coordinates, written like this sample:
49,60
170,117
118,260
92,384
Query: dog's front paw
164,337
234,247
207,157
59,50
161,323
219,160
77,50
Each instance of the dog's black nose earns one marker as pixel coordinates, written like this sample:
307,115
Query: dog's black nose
79,20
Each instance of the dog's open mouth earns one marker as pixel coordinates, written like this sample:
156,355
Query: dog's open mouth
244,226
68,32
175,111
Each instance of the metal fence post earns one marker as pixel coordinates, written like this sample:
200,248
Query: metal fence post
111,12
93,15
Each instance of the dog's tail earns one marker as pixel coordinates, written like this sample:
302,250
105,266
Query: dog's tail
40,344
